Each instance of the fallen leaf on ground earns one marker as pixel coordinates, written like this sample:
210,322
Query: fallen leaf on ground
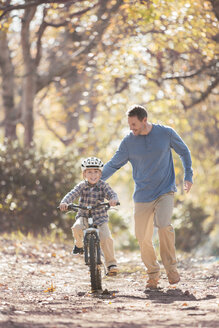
50,289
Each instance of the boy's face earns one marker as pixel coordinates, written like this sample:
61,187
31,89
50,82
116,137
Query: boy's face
92,175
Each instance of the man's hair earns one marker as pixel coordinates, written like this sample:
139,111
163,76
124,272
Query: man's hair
137,110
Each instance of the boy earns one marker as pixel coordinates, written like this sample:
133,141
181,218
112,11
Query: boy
92,191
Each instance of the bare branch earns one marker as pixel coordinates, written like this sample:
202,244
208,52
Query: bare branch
99,28
65,141
192,74
77,14
32,3
25,33
203,96
41,30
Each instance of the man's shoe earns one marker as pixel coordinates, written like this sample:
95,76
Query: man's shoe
173,277
152,283
76,250
112,270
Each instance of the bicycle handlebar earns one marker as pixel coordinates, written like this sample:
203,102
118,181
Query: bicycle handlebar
76,207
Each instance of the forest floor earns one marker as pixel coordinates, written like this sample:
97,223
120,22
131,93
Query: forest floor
43,286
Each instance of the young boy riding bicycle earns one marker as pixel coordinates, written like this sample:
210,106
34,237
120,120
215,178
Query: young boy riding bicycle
91,191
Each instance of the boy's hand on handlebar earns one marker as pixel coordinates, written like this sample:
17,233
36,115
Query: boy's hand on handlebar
63,206
113,202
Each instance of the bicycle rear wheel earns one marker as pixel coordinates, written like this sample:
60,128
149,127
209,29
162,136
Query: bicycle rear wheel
95,268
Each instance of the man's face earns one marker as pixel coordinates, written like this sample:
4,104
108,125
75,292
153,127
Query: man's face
136,126
92,175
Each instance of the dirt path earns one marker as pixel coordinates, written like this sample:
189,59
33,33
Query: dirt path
42,285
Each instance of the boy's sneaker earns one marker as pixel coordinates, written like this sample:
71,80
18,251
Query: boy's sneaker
152,283
112,270
173,277
76,250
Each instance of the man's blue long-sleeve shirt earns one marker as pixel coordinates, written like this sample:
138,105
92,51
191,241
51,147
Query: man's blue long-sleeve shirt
152,163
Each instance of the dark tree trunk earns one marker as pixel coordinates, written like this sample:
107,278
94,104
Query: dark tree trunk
7,89
215,5
29,80
27,107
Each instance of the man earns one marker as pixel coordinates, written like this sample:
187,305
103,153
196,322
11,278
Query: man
148,148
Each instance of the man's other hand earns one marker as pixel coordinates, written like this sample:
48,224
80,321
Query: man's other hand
187,186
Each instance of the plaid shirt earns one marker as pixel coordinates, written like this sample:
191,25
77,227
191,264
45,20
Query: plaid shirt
91,195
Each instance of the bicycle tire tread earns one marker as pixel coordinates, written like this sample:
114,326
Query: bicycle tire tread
95,269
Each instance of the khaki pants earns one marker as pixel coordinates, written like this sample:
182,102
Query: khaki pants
106,241
158,213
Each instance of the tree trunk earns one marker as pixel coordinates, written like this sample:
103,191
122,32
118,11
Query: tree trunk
29,86
215,5
7,88
29,79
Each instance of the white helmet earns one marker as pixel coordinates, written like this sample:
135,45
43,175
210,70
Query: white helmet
92,163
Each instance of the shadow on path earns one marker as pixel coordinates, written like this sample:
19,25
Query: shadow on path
172,295
156,296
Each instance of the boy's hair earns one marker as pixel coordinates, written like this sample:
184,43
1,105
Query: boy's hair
137,110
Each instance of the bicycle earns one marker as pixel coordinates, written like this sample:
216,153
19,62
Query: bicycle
92,250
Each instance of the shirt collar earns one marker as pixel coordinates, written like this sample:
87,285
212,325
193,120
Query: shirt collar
88,185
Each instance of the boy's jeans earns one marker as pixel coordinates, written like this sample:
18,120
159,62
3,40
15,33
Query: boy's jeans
106,241
158,213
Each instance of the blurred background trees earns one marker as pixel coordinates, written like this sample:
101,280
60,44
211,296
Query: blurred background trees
69,71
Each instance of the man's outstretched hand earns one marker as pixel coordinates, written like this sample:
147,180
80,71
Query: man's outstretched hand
187,186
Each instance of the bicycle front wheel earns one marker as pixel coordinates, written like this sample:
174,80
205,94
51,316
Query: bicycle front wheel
95,268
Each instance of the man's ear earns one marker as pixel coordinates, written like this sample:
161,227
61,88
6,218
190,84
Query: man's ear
144,120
